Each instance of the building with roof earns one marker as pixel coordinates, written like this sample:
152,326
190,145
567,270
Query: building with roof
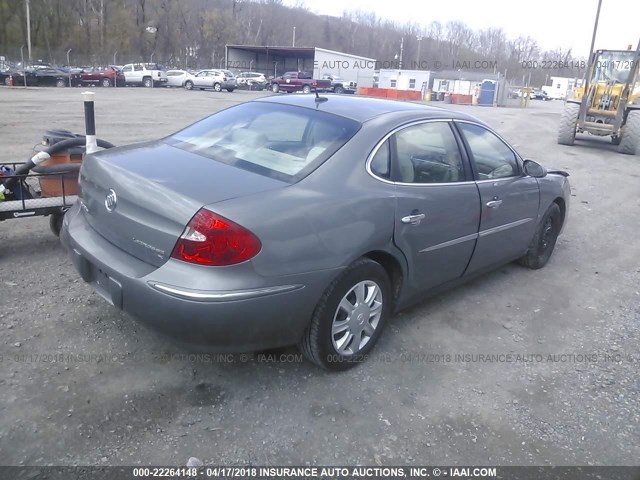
275,61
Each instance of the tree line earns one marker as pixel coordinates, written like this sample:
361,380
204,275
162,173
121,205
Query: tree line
193,34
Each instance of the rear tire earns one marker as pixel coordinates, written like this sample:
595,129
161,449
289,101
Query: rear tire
230,90
630,142
568,123
275,88
106,82
331,337
55,223
544,240
306,89
61,83
217,87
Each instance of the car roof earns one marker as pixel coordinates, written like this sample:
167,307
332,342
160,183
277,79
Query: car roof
362,109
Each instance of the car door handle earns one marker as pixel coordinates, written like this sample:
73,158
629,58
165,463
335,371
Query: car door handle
494,203
413,219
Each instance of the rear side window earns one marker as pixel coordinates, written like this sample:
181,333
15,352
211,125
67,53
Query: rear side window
381,161
279,141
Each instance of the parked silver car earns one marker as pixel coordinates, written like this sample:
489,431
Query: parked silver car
176,78
214,79
252,79
308,220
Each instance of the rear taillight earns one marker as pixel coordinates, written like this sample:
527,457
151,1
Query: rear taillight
210,239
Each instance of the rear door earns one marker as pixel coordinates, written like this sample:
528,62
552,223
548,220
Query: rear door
438,205
510,199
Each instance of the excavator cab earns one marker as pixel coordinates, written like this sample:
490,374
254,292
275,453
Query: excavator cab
608,104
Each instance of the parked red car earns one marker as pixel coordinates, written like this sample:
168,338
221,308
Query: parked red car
105,78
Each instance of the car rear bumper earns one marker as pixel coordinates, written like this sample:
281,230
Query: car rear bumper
227,311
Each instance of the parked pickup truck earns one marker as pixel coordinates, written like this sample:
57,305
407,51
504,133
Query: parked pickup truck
298,82
339,84
145,74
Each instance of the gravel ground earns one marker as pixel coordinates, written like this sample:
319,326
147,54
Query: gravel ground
567,395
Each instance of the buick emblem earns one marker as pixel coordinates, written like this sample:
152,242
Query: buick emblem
110,200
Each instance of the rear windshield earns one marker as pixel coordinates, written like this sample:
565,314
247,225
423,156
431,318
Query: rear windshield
279,141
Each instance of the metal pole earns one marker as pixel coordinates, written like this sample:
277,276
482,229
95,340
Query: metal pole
24,72
26,2
294,36
582,114
90,122
595,27
419,38
114,57
69,65
401,50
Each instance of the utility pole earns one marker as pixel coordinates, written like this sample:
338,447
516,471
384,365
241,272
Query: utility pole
26,2
582,114
294,36
419,38
401,50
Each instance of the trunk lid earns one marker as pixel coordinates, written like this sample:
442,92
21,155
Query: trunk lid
154,189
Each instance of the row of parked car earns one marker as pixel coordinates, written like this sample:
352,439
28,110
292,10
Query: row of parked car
154,75
140,74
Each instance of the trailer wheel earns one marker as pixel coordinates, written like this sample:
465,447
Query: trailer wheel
568,123
55,223
630,142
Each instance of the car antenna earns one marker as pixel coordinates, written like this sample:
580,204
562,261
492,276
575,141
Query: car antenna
318,98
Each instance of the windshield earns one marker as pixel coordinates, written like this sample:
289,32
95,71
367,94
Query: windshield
278,141
613,66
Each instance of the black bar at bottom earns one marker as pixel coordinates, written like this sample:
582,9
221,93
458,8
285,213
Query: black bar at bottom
333,473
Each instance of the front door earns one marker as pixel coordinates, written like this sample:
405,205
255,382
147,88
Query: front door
438,205
509,199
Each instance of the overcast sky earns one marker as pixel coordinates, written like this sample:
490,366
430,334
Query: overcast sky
553,23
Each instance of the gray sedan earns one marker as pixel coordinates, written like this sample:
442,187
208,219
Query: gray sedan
306,220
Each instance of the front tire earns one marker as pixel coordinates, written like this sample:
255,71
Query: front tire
544,240
106,82
147,82
275,88
61,83
306,89
188,85
217,87
349,317
230,90
630,142
339,90
568,123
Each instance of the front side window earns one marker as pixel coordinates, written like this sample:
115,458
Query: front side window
428,153
492,157
278,141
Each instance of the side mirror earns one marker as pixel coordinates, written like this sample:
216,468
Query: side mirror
534,169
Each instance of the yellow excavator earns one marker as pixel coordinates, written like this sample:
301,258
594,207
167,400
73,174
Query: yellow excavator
608,104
